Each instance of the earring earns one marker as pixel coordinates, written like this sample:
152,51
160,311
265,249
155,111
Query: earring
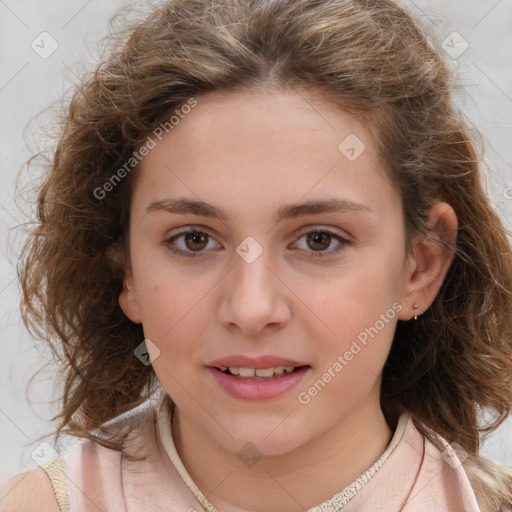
415,306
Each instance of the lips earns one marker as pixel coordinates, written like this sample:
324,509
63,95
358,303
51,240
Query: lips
248,377
258,388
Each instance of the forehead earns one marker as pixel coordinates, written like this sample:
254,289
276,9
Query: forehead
246,147
293,117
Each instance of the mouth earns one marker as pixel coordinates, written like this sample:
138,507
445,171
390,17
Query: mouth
264,377
262,383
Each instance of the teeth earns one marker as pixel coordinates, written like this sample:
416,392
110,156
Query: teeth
260,372
264,372
245,372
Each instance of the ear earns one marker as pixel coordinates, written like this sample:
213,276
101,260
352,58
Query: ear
128,297
428,265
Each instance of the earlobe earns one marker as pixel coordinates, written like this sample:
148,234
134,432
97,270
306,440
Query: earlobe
433,255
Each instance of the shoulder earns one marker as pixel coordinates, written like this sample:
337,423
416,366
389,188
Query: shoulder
95,470
28,490
440,479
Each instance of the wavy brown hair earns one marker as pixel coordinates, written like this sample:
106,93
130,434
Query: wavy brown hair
368,57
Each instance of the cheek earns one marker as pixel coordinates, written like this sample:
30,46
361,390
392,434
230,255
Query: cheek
166,290
167,304
170,311
356,315
356,295
362,320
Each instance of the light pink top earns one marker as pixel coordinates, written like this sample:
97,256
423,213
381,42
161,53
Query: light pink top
412,475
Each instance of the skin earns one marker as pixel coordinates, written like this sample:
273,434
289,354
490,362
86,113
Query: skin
250,153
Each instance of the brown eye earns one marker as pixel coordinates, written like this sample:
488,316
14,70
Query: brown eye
319,241
195,241
188,244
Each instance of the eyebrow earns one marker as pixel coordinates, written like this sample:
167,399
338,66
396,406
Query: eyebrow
290,211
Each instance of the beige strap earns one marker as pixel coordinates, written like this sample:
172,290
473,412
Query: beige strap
56,471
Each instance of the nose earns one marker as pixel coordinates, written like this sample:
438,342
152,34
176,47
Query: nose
254,296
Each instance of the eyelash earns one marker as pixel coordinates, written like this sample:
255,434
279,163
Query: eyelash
191,254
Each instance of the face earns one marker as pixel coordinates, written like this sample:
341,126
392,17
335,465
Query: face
315,288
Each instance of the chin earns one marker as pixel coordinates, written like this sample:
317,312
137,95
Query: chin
262,440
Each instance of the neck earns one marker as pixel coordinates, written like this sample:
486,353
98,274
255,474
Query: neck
304,478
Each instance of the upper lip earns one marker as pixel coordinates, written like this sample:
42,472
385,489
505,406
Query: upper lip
240,361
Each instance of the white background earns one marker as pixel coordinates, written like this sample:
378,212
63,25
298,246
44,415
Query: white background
29,83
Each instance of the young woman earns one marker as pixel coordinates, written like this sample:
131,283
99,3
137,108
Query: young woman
265,224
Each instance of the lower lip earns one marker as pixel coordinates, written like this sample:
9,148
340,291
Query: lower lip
252,389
